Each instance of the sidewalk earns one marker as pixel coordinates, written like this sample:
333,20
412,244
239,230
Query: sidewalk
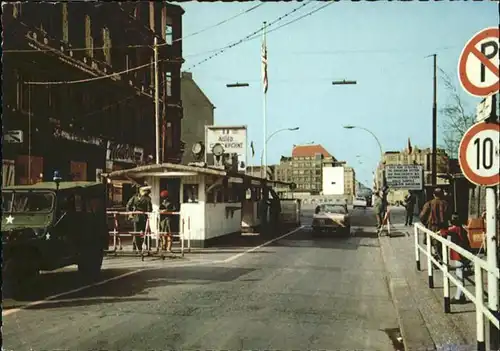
424,325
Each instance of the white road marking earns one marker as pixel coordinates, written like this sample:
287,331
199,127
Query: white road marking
232,258
102,282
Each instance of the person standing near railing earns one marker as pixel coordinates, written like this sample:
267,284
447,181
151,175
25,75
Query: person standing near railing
409,203
142,203
459,237
435,216
165,227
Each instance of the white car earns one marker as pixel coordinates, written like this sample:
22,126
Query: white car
360,202
331,218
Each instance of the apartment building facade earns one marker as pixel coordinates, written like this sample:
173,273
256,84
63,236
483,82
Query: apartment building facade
86,127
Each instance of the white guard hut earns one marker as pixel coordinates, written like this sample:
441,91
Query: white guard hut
213,202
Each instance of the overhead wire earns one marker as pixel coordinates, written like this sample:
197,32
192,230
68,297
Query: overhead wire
144,45
246,38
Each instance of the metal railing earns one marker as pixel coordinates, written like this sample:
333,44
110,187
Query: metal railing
149,235
478,264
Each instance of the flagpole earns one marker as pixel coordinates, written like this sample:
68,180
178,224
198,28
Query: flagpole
265,107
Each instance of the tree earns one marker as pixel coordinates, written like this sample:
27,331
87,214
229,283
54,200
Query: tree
456,119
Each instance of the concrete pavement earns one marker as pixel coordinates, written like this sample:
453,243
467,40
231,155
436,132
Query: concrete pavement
424,324
297,292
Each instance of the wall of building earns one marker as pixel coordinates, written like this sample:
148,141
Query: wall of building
349,181
198,112
333,181
68,127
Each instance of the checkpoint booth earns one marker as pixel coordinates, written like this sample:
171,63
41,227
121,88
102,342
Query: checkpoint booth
211,202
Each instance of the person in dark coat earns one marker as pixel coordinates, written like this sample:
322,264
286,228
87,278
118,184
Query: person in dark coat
409,203
165,223
140,202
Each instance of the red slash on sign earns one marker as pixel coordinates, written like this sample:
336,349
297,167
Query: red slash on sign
478,64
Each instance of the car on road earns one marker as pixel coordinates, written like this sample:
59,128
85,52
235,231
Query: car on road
359,202
331,218
51,225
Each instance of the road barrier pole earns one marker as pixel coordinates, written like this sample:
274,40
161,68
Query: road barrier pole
417,250
491,258
429,262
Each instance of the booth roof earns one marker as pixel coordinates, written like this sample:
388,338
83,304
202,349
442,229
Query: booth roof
126,174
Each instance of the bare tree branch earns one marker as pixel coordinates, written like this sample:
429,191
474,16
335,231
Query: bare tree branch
456,120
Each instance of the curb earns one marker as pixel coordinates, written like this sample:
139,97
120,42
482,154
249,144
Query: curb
414,331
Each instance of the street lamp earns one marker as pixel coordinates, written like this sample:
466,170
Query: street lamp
379,145
267,140
344,82
237,85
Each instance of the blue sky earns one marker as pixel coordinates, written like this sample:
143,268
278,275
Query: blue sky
380,45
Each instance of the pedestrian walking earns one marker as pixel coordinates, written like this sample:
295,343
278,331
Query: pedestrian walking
435,216
409,204
140,202
379,210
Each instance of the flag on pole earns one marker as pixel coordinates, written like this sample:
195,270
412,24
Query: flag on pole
264,65
251,147
410,149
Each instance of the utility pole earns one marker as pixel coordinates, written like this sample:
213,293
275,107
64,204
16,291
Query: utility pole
434,127
157,102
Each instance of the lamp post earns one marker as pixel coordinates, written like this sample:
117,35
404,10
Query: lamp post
344,82
379,145
267,140
237,85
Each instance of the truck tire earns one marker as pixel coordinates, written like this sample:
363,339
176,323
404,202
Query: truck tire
90,262
20,272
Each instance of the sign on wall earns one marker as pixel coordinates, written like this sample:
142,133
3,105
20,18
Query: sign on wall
124,153
13,137
407,177
8,172
233,140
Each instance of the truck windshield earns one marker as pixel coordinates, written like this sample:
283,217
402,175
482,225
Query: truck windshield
27,202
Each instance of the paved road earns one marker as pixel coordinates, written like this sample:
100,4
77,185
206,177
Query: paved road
295,293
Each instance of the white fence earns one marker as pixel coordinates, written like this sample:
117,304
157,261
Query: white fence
150,234
476,296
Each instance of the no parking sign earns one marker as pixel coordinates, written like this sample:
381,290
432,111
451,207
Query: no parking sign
478,65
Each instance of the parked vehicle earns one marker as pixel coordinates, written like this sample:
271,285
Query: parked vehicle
50,225
359,202
331,218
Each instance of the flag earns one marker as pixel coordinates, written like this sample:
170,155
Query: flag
264,66
409,146
253,150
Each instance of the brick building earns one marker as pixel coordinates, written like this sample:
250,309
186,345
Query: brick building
84,128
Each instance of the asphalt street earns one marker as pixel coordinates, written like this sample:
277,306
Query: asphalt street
295,293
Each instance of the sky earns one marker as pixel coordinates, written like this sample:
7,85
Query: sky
381,45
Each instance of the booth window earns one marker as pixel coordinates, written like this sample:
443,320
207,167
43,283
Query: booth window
190,193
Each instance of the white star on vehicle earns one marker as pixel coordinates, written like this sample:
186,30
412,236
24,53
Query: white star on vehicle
47,236
10,219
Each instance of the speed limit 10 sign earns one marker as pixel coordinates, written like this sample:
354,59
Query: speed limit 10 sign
479,154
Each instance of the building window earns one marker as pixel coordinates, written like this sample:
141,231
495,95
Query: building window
89,41
169,31
169,83
106,49
65,25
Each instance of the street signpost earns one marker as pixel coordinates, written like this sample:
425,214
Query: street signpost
13,136
479,157
487,108
404,177
478,65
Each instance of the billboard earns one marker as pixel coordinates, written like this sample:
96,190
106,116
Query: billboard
333,180
233,140
405,177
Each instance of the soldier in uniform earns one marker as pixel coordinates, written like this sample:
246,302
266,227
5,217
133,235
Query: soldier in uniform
165,227
140,202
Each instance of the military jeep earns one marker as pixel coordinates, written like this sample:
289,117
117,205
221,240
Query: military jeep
51,225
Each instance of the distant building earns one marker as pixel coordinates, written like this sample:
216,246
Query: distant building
198,112
349,181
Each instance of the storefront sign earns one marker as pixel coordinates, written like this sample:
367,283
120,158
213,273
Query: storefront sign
8,172
124,153
62,134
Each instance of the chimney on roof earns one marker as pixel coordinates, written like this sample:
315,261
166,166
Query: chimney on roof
188,75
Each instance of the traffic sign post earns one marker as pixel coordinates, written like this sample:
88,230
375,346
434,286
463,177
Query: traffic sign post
479,157
478,65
